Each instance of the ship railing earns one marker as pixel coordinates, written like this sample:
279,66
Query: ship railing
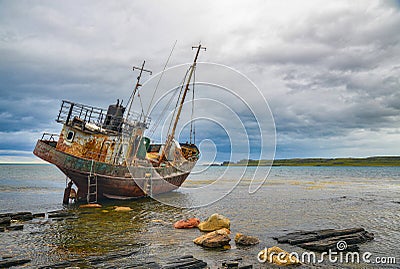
135,120
90,114
93,118
50,137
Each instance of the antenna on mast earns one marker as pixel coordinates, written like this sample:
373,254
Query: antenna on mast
130,101
171,136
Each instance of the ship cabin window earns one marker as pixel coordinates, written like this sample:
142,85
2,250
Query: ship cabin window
70,136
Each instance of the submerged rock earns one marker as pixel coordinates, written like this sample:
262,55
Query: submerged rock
216,239
324,240
122,208
235,263
187,262
12,262
214,222
39,215
21,216
277,256
90,206
187,224
60,214
5,220
246,240
15,227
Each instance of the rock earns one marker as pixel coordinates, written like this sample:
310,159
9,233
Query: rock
39,215
214,222
323,240
187,262
21,216
15,228
246,240
235,263
122,208
349,242
90,206
216,239
60,214
277,256
5,220
187,224
12,262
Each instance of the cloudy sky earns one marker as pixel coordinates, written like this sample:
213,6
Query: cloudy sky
330,70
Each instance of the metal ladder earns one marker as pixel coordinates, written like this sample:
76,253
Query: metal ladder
147,184
92,187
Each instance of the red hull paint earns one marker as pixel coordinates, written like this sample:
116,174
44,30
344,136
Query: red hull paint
112,180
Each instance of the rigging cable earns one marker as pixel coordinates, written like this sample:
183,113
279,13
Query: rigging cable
158,121
141,105
192,125
159,80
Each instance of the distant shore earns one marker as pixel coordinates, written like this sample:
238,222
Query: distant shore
369,161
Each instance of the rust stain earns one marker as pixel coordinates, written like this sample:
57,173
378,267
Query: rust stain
86,145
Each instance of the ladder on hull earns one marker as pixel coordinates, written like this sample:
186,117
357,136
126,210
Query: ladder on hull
92,189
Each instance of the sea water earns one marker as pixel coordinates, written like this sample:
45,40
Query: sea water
291,199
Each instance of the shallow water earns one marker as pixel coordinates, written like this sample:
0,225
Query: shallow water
292,198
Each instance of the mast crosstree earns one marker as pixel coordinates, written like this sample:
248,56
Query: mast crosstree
141,69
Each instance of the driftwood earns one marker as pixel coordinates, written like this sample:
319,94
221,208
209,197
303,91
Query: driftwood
324,240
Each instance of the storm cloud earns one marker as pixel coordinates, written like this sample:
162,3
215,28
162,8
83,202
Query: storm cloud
330,71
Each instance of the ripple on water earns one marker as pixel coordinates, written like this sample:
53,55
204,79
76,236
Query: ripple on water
291,199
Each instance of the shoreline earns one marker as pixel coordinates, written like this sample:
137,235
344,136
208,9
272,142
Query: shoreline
376,161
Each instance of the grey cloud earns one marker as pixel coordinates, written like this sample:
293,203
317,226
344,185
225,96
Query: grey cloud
329,73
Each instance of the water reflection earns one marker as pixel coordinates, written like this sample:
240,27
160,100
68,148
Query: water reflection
292,199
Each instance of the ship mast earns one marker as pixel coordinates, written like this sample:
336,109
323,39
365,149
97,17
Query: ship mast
171,136
136,86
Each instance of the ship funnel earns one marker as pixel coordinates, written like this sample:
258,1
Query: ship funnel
114,118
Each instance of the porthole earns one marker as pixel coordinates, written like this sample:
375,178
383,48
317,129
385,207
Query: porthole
70,136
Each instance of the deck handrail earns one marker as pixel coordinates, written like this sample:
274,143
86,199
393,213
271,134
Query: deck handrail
51,136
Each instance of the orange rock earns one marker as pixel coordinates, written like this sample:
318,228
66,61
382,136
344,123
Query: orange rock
90,206
214,222
187,224
246,240
122,208
216,239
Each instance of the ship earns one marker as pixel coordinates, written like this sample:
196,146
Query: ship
106,155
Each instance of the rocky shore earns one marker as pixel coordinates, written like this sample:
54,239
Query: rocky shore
215,234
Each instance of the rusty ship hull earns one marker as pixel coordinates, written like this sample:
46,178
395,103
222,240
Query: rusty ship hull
113,181
105,154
